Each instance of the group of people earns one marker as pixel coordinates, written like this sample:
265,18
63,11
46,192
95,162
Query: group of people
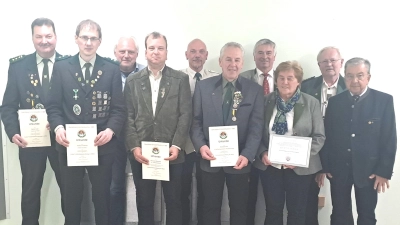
354,137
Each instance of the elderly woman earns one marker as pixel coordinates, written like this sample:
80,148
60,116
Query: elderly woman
293,113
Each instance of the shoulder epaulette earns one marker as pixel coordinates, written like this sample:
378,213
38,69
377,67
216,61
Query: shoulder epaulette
308,79
212,71
17,58
62,57
113,61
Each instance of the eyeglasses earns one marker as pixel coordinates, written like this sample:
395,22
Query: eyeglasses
326,62
86,38
351,77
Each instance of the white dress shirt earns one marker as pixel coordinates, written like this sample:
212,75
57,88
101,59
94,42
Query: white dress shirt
83,62
270,79
325,91
40,65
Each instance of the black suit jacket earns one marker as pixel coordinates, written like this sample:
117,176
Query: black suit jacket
207,112
312,86
363,137
101,102
21,93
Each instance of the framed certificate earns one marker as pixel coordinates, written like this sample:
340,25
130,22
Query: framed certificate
158,168
289,150
81,150
32,123
224,145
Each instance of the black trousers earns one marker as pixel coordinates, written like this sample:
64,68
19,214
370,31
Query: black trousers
33,167
252,199
191,160
238,191
366,200
146,191
118,186
284,185
100,178
312,202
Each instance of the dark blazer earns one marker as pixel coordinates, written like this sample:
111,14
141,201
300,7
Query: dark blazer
101,104
307,122
312,86
207,112
172,117
252,75
363,136
21,93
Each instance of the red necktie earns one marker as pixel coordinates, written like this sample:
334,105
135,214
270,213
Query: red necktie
266,84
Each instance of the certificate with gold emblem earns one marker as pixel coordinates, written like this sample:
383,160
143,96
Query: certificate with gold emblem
81,150
289,150
158,168
224,145
32,123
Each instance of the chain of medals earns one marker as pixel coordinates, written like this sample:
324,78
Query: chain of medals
237,99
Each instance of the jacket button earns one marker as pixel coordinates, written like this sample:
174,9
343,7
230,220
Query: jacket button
353,135
349,150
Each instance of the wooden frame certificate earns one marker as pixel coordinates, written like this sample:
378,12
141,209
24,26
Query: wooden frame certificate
32,123
224,145
81,150
289,150
158,168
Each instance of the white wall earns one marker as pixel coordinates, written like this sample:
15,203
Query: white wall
299,28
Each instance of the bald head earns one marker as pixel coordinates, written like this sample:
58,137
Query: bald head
126,52
196,54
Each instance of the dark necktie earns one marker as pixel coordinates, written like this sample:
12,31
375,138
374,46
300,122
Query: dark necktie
45,76
266,84
198,76
87,72
355,98
226,106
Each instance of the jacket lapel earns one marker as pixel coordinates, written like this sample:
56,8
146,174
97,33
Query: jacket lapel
165,84
96,74
76,72
317,88
298,110
269,110
146,90
216,97
341,85
33,78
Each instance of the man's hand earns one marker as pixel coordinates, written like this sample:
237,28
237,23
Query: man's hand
241,162
61,137
206,153
137,154
320,178
103,137
380,183
265,159
48,126
173,153
18,140
289,166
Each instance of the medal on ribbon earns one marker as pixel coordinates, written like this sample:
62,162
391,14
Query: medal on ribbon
237,99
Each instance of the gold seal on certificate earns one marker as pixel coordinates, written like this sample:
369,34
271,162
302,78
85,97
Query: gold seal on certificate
81,150
32,123
224,145
289,150
158,168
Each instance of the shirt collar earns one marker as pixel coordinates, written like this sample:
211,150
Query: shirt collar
82,62
271,73
333,86
365,90
225,81
155,77
192,73
39,58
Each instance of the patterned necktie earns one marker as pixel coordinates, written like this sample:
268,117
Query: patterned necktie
45,76
198,76
87,72
226,106
266,84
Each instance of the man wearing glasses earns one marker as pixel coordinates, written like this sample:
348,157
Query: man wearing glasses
86,89
360,145
322,88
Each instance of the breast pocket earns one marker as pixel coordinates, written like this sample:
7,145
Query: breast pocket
372,126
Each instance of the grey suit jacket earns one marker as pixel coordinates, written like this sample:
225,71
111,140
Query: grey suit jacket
173,113
312,86
207,112
307,122
252,75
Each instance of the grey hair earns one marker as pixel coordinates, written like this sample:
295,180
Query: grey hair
231,44
128,37
326,48
357,61
264,41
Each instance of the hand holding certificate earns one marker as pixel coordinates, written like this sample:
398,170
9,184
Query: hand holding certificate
158,167
81,150
289,150
224,145
32,123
